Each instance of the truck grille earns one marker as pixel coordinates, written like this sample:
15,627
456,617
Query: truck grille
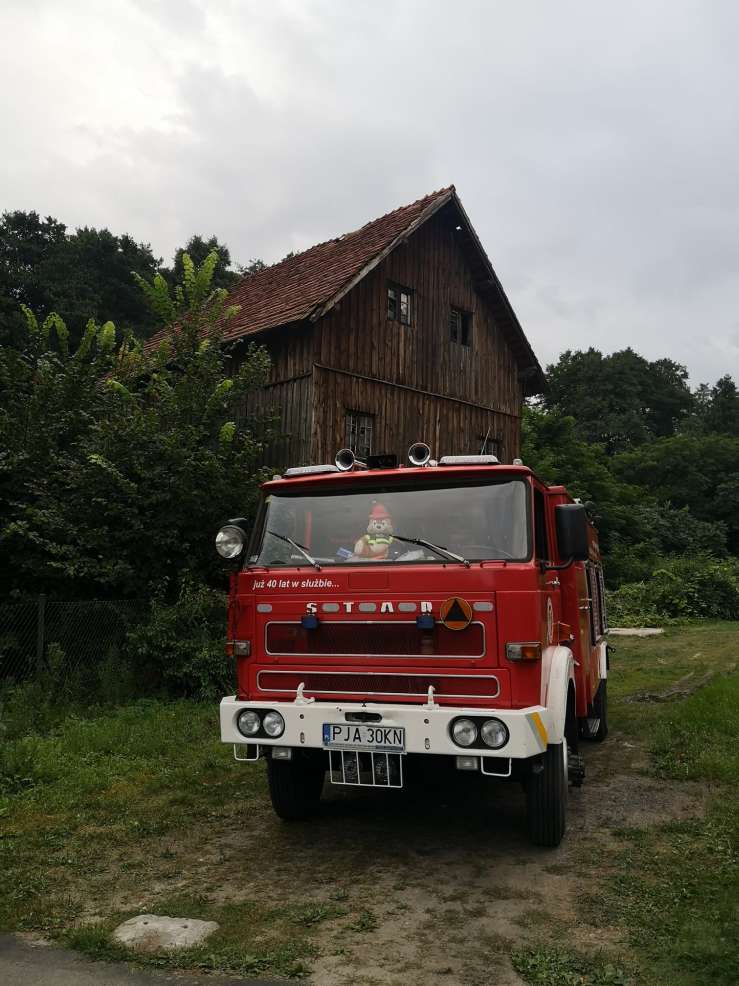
379,684
348,639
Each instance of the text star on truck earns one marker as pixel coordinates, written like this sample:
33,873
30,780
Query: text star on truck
379,614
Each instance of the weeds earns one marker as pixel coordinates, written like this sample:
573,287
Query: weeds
558,967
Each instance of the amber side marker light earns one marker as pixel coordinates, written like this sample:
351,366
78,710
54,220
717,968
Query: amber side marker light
523,652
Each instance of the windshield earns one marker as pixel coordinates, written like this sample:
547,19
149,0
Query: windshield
476,521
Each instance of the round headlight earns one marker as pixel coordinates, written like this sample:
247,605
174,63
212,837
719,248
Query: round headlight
248,722
274,724
464,732
494,734
230,542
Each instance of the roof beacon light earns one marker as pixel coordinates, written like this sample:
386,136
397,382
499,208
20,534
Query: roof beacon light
468,460
346,461
308,470
419,454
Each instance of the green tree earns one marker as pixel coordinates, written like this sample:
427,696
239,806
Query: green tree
637,523
121,464
618,401
696,472
26,243
198,249
721,412
86,274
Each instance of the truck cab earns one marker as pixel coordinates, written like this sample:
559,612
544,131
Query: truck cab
381,613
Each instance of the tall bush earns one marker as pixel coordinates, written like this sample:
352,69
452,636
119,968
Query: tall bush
118,463
680,588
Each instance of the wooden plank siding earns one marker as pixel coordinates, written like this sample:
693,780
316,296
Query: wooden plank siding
402,416
287,407
356,337
288,397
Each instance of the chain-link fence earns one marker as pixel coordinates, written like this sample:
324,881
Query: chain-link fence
64,637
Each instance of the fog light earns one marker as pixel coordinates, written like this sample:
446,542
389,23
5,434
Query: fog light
282,753
464,732
467,763
248,722
274,724
494,733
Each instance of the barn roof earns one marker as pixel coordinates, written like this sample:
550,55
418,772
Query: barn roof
310,283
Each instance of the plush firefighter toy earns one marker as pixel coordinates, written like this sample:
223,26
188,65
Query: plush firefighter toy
375,544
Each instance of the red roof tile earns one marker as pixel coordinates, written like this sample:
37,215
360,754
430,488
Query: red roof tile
294,288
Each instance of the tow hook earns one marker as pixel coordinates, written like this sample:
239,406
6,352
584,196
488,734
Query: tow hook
576,769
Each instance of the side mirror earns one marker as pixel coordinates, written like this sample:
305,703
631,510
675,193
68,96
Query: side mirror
571,520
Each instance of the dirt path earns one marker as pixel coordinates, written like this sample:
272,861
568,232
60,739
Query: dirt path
437,886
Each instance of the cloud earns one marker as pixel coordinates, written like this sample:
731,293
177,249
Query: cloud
595,147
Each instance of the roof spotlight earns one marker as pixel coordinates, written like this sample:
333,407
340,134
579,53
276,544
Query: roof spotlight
419,454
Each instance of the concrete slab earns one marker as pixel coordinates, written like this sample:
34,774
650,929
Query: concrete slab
152,932
24,963
635,631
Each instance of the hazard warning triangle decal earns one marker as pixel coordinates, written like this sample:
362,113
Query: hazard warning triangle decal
455,613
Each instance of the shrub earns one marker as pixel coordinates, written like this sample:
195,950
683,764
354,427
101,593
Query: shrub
680,588
180,649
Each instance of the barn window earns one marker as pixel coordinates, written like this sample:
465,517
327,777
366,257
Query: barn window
460,326
359,433
399,304
486,445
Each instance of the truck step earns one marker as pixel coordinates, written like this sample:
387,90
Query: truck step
576,769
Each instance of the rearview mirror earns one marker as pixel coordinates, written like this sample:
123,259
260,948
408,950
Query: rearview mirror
572,531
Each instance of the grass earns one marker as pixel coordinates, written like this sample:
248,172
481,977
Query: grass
652,664
673,888
103,811
698,739
252,938
99,790
553,966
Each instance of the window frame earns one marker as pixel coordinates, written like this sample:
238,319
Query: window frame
490,445
369,418
461,332
399,291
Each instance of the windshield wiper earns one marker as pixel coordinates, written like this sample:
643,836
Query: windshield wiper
299,547
434,547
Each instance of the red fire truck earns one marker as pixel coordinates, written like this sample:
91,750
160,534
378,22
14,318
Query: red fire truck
380,614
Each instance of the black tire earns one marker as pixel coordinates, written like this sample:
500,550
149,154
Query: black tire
294,788
546,798
595,728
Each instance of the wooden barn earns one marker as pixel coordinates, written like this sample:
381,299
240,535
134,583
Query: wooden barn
397,332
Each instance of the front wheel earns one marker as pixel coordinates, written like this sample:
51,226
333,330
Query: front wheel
546,797
294,787
595,726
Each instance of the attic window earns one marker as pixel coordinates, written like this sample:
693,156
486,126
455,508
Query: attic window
399,304
460,326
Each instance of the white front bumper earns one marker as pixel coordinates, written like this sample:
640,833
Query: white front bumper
426,729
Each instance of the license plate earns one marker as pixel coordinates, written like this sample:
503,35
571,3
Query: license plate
349,736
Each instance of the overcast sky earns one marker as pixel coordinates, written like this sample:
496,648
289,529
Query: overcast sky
595,145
